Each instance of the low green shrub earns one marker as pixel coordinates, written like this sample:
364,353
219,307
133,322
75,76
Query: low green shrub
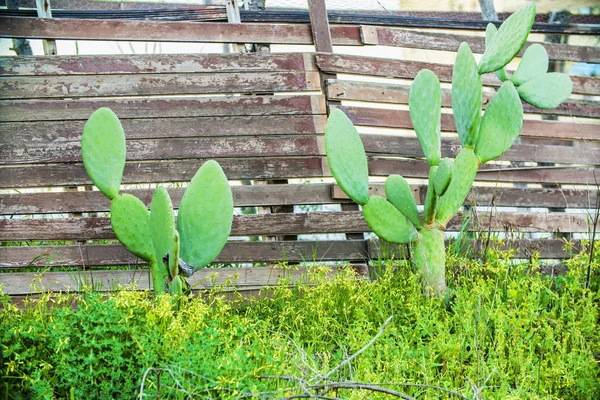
502,329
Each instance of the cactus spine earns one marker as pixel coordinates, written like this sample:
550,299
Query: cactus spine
483,138
205,212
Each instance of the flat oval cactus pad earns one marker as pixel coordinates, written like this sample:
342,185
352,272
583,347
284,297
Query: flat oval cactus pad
130,221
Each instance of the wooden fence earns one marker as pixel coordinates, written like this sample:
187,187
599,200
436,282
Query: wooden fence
262,116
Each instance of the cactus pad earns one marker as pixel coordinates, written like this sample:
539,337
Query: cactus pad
174,255
424,102
509,39
162,223
547,90
500,125
103,151
490,31
534,63
443,176
466,96
387,222
399,194
465,165
205,215
130,221
346,157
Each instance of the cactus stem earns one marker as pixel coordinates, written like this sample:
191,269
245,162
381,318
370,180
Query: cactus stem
430,199
428,255
158,278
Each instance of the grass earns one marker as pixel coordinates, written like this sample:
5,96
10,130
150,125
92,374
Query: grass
503,332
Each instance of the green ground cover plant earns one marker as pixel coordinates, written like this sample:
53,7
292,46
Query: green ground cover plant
503,331
483,138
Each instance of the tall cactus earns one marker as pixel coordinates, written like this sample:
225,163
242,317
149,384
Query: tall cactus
205,212
483,138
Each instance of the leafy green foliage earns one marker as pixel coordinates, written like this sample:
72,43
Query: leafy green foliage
103,151
503,326
509,39
346,157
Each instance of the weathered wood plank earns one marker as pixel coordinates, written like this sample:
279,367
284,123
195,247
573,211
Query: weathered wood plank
59,110
451,42
35,87
398,94
233,252
291,194
155,63
384,118
398,146
286,224
566,175
170,149
168,31
390,68
257,252
23,176
50,132
205,278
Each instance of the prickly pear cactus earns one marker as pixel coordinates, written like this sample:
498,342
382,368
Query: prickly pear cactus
483,138
205,217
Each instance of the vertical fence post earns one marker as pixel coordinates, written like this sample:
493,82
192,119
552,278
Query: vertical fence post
319,25
44,11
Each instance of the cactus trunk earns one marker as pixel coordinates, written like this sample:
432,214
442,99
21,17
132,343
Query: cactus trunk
158,276
428,254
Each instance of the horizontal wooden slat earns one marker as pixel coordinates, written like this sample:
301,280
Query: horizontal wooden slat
404,69
42,133
15,177
289,194
34,87
168,31
258,252
398,94
385,118
411,168
451,42
206,278
397,146
285,224
155,64
171,149
59,110
233,252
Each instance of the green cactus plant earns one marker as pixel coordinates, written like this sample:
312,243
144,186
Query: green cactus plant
483,138
205,213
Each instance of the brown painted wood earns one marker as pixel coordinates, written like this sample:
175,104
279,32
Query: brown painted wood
169,31
385,118
205,278
233,252
451,42
34,87
291,194
398,94
12,230
155,64
23,176
59,110
391,68
394,146
319,26
170,149
502,196
42,133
